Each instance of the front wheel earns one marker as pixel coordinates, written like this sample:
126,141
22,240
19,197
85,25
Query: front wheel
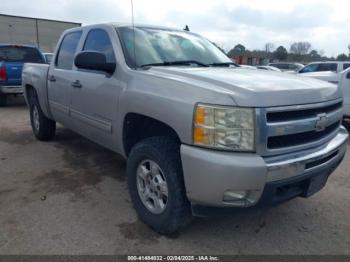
43,128
156,184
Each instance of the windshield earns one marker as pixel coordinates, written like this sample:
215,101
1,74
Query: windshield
20,54
155,46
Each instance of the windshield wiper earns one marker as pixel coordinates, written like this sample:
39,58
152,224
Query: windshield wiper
223,64
171,63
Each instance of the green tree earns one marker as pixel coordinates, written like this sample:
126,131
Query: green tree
314,55
342,57
280,53
238,49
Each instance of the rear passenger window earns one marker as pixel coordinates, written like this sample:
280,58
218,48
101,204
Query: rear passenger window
284,66
67,50
328,67
98,40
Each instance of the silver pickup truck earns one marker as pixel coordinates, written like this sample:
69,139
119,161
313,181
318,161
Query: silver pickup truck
200,134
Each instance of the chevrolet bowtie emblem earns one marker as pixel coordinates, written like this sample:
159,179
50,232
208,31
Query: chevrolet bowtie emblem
321,122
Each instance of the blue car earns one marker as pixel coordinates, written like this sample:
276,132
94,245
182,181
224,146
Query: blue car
12,58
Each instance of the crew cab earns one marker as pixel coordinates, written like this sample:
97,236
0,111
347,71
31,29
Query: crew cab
199,133
12,58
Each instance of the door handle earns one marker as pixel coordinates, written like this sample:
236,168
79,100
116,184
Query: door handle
52,78
76,84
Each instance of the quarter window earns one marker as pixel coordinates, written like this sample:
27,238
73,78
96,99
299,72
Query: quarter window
346,66
67,50
98,40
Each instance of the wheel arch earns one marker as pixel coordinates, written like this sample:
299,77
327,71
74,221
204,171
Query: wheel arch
137,127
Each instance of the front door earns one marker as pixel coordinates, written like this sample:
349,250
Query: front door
94,95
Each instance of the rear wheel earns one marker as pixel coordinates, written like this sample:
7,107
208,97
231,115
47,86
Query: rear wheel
43,128
3,100
156,184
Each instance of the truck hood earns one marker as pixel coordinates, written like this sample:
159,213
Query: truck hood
254,88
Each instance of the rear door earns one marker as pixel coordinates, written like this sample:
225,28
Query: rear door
60,77
94,101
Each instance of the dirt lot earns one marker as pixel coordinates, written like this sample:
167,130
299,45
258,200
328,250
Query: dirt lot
70,197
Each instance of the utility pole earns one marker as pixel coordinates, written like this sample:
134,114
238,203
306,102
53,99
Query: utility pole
37,33
10,34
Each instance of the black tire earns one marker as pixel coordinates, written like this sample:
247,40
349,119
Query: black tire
166,153
3,100
45,130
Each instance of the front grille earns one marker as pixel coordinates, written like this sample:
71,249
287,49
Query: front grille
292,128
300,138
301,114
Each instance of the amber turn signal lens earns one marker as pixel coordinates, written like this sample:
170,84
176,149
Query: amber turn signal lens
199,115
198,135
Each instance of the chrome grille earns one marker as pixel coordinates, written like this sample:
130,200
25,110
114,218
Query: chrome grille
292,128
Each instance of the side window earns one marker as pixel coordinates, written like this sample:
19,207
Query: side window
346,66
310,68
98,40
283,66
328,67
292,67
67,50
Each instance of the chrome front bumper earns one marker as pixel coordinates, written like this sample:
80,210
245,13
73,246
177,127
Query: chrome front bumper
11,90
208,173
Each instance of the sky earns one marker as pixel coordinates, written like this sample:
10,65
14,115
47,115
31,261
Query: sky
324,23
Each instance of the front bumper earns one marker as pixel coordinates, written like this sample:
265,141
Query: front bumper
209,173
9,90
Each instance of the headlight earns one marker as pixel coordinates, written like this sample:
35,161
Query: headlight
230,128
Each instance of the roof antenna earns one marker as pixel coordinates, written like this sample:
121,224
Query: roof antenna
133,30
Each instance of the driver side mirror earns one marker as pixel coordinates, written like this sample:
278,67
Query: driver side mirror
92,60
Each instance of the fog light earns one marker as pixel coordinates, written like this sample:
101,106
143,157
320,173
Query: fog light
233,195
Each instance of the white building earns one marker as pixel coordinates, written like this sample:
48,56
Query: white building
43,33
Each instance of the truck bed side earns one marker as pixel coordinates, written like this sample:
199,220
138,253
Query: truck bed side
35,76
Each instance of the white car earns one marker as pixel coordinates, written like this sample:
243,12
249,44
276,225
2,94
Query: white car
248,67
287,67
333,66
342,79
344,84
269,68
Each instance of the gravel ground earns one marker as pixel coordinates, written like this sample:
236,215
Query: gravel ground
70,196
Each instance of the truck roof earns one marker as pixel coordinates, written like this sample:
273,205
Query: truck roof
16,45
119,24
